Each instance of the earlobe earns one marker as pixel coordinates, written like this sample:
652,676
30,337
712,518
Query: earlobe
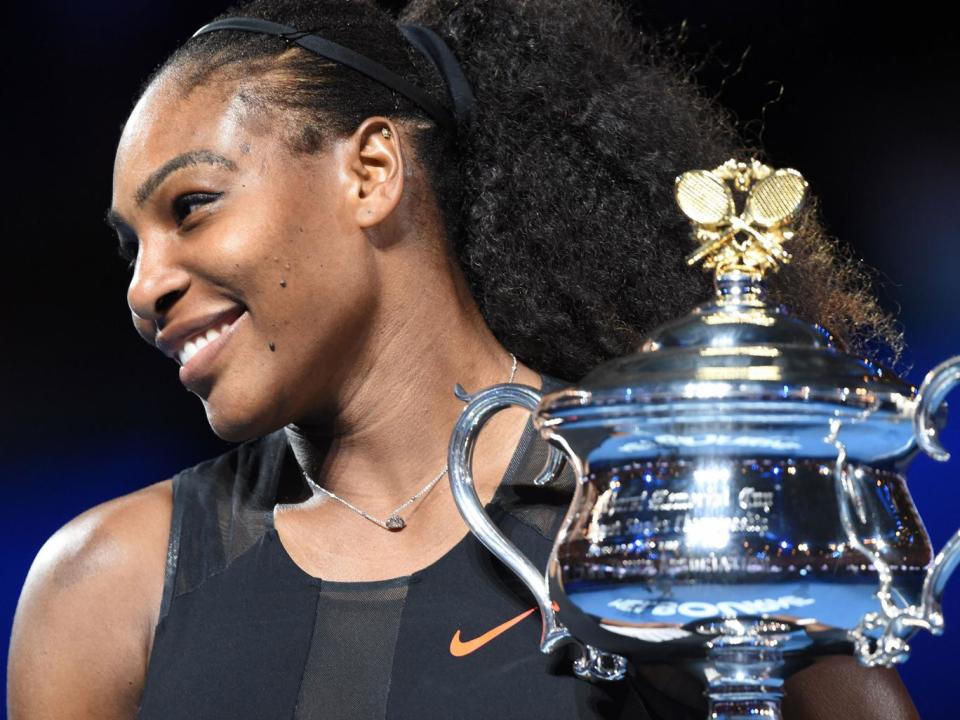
379,167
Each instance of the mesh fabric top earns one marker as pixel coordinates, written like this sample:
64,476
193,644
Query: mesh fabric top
245,633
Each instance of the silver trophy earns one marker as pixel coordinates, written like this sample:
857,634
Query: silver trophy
741,505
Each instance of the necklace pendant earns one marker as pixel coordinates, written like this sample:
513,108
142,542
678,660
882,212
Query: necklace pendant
395,523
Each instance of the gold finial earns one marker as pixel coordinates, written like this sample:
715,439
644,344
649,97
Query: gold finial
773,200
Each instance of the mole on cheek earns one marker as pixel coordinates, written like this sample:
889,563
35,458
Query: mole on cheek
283,283
273,347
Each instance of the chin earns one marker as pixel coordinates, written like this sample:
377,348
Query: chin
236,427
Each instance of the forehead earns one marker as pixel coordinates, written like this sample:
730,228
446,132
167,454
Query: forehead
167,122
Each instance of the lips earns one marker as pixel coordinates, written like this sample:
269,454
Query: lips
195,341
197,370
172,339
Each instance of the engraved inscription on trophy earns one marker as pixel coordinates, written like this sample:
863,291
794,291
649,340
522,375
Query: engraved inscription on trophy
757,503
701,510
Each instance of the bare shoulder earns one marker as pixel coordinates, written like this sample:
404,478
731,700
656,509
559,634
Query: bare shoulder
84,623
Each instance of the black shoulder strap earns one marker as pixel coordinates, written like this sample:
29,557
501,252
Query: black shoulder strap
539,507
221,507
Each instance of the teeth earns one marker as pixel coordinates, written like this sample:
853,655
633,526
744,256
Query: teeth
189,350
197,343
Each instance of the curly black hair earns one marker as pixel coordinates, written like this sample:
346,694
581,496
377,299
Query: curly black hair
557,196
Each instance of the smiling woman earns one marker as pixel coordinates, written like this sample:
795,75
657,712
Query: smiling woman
329,227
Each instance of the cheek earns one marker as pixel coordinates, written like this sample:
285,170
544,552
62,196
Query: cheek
317,307
311,293
306,275
308,324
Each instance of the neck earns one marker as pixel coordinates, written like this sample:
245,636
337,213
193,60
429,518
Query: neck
395,405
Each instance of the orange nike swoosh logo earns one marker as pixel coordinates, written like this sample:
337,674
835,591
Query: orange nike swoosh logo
459,648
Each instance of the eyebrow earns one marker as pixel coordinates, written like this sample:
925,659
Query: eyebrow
194,157
187,159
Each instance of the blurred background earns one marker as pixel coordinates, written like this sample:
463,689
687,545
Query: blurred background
862,103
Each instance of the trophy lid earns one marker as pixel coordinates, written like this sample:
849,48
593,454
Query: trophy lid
737,356
739,346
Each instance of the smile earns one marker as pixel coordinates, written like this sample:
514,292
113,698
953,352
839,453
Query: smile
198,342
199,353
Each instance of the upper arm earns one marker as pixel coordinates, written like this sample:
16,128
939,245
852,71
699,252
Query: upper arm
833,686
84,622
837,686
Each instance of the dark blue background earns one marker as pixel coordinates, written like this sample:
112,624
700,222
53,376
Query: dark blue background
868,113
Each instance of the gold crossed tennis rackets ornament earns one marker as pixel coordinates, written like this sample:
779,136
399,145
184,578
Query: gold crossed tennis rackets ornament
749,241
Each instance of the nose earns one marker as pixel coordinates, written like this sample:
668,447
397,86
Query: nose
158,282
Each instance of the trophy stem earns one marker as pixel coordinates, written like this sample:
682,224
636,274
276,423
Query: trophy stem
747,709
745,678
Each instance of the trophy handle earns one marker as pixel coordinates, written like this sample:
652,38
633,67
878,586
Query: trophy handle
881,637
593,664
933,390
889,621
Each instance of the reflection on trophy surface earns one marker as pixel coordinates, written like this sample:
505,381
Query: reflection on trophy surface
741,504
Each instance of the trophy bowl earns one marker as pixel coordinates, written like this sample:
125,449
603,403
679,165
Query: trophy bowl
741,505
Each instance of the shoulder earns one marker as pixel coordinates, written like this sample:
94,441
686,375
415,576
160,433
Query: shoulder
85,619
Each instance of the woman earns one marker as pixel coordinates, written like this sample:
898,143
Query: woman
325,253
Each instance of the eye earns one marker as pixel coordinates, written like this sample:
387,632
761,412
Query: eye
183,205
127,249
127,244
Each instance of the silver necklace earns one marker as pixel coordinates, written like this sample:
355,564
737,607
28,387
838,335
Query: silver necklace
395,523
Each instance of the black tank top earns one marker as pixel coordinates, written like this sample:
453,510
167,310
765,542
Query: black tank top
245,633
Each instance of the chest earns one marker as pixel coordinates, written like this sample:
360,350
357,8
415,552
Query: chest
264,640
328,540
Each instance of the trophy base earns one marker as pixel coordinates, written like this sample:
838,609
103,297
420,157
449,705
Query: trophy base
741,662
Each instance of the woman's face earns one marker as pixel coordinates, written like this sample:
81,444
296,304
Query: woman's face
245,251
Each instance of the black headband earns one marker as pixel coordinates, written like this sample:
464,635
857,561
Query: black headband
425,40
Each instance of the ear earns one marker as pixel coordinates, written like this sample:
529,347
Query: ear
376,168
